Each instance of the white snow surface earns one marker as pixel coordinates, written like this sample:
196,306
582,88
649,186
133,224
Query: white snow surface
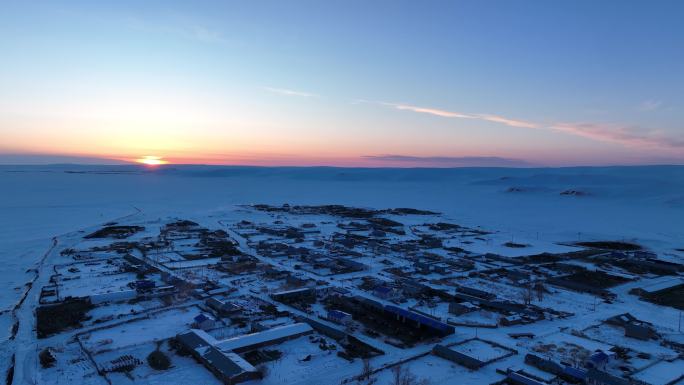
638,204
642,204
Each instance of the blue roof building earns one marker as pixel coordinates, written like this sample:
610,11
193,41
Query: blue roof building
598,360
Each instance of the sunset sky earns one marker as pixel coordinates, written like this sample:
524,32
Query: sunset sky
345,83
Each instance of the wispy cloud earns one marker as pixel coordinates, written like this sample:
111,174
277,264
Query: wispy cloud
630,136
650,105
508,121
431,111
447,161
458,115
179,28
205,34
41,159
288,92
625,135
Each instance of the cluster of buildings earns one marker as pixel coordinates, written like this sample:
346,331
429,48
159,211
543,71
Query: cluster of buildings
353,274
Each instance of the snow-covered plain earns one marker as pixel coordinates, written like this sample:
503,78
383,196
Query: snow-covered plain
535,207
643,204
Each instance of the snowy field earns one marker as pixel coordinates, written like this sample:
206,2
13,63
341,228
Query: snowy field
643,204
523,211
159,326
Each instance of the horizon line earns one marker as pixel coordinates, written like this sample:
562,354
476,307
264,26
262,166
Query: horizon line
172,165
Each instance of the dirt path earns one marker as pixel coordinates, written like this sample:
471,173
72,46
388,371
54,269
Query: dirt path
29,286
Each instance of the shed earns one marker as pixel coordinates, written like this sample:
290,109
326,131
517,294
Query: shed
339,316
461,308
639,331
598,360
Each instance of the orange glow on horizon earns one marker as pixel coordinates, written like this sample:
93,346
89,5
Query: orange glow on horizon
150,160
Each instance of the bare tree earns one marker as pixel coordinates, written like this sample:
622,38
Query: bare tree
365,377
526,295
404,376
263,370
539,287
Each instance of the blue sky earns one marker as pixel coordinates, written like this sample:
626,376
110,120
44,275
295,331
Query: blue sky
345,83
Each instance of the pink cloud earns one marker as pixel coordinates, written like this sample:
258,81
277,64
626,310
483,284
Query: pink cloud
508,122
629,136
460,115
624,135
431,111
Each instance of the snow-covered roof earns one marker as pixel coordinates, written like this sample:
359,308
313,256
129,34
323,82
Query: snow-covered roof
203,317
598,357
293,291
195,338
228,364
663,285
264,336
338,314
241,362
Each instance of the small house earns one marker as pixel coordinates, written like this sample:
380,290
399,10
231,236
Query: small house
386,293
204,322
224,309
461,308
144,285
339,317
598,360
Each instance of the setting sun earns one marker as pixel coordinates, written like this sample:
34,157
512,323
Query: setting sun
151,160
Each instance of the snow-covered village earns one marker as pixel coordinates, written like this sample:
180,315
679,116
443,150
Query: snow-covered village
336,294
